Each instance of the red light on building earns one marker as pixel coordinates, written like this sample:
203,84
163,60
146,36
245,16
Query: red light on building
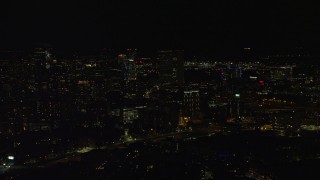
139,62
261,82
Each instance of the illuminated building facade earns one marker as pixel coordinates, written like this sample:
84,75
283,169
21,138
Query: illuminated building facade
170,67
191,102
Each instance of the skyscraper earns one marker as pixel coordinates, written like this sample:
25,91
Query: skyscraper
43,97
191,102
127,61
170,67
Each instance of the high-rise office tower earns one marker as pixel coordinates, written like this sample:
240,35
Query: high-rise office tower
170,67
127,61
235,106
42,96
191,102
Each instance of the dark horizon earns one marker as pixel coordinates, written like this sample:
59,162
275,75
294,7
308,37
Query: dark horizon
234,52
168,24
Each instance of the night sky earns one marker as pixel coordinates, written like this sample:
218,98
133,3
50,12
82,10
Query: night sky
160,23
